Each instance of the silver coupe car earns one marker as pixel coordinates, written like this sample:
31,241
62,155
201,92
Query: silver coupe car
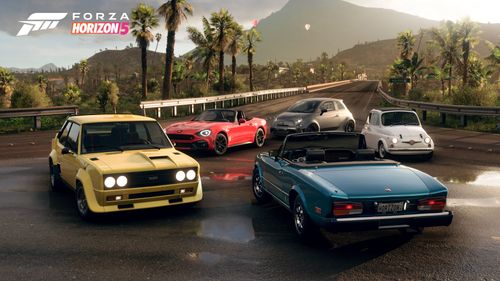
314,115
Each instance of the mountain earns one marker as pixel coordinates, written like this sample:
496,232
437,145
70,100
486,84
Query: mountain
45,68
334,25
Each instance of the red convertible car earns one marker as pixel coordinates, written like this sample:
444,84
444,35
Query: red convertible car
217,130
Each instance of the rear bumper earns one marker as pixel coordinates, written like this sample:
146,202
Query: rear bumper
388,222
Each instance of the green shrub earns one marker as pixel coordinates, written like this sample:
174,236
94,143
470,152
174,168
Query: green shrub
485,96
27,95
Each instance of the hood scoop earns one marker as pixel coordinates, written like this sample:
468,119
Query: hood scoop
159,157
94,159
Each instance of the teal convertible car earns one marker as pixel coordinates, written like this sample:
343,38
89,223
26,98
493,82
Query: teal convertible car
330,180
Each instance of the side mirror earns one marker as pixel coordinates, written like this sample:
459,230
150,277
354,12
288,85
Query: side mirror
174,144
66,150
323,110
241,120
273,154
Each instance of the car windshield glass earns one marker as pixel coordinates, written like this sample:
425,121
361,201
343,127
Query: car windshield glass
304,106
120,136
216,116
323,141
400,118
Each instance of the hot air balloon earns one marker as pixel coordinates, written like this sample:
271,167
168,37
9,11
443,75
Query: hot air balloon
255,22
307,26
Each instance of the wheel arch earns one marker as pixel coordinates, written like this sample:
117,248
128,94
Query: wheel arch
85,180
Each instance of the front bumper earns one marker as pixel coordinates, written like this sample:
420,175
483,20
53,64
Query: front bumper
388,221
410,151
282,131
145,197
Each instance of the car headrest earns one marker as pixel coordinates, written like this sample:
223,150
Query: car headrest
315,156
365,154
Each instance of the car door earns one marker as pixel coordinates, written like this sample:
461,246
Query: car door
243,132
330,119
371,130
272,170
69,162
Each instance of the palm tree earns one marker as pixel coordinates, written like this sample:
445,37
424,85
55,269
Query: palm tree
42,82
6,87
205,51
143,20
271,67
174,12
250,39
178,75
447,40
406,42
234,49
83,67
415,69
222,23
158,38
468,35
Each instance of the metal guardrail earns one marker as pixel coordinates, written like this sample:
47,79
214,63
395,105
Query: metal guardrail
232,99
462,110
37,113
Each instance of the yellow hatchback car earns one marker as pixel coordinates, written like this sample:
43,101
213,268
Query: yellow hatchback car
121,162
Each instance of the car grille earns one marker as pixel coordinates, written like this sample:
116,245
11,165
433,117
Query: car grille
153,178
180,137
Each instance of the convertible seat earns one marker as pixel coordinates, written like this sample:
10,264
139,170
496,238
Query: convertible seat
315,156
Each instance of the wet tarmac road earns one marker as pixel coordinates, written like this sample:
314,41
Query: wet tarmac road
230,237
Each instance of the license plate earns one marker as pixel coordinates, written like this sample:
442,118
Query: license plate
390,207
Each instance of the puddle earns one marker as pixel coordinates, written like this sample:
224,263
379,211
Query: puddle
228,177
488,178
237,229
474,202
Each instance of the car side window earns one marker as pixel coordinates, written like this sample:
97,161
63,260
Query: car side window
339,105
328,106
72,142
374,120
63,134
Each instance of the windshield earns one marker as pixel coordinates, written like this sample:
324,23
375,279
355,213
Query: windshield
304,106
120,136
400,118
216,116
324,141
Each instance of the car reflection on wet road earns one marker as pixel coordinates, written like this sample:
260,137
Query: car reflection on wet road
229,237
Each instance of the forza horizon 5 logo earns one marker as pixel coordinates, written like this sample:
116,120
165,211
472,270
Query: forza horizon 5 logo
82,23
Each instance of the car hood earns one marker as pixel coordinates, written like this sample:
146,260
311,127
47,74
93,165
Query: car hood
371,181
139,160
405,131
192,126
292,116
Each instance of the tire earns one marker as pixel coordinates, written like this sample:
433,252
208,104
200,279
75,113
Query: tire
258,191
349,127
381,152
55,178
220,144
312,128
82,206
260,138
303,225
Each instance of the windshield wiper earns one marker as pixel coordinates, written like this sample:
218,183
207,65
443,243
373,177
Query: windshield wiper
141,144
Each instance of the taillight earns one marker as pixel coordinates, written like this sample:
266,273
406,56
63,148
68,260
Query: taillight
432,204
347,208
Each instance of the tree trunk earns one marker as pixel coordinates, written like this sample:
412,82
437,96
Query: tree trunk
449,77
233,72
169,61
221,71
144,62
250,66
466,50
208,78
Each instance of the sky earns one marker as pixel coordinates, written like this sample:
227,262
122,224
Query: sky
63,49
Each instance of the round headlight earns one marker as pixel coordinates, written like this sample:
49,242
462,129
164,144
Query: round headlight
121,181
394,140
180,176
427,140
109,182
205,133
190,175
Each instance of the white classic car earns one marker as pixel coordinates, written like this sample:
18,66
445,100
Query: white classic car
396,131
